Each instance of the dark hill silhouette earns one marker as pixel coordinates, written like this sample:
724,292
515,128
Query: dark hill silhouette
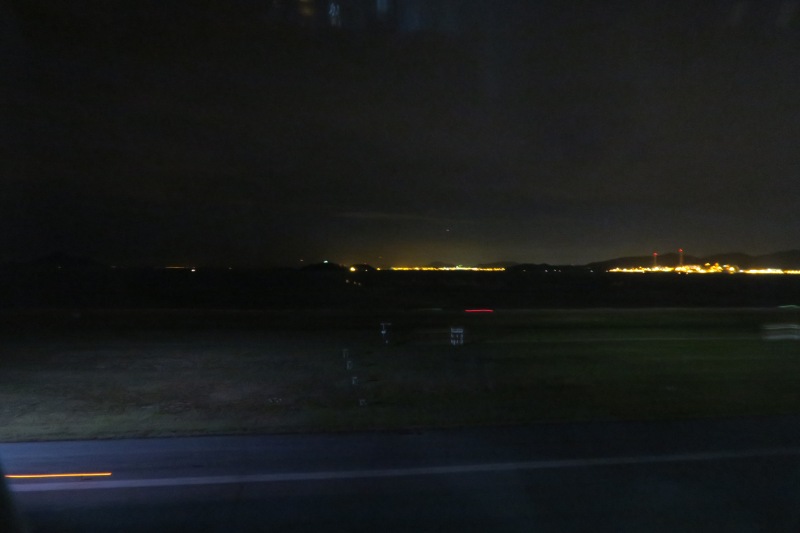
324,267
545,268
789,259
529,268
669,260
498,264
738,259
362,267
440,264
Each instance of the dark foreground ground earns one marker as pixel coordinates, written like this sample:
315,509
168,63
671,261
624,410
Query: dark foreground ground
735,475
115,373
52,286
155,353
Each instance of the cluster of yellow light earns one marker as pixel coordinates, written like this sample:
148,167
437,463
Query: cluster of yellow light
683,269
770,271
708,268
462,268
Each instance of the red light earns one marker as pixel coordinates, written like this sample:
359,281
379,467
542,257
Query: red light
479,310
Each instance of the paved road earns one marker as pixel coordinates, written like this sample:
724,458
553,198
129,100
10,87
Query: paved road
720,475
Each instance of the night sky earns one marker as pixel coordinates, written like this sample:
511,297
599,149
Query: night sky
241,133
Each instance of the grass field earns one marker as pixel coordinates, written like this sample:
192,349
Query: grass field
138,374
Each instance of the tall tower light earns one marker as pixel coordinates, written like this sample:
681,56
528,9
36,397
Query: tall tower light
655,259
680,252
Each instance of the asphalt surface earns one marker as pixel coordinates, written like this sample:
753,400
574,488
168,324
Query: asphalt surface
704,475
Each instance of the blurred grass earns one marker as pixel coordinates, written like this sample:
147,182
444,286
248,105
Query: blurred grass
515,368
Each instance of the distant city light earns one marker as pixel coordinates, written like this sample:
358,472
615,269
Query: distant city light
458,268
707,268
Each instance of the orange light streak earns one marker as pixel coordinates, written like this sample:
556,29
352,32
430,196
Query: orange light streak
45,476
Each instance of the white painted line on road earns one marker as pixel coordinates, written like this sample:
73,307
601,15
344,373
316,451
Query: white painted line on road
401,472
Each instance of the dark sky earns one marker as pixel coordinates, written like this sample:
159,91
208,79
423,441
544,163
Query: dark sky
225,133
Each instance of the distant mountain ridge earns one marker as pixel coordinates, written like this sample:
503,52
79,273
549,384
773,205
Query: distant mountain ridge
787,260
